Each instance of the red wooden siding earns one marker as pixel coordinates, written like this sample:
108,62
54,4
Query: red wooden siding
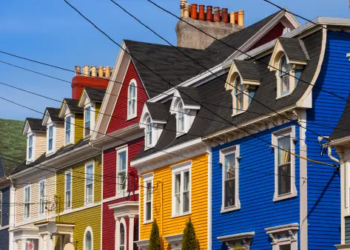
272,34
119,118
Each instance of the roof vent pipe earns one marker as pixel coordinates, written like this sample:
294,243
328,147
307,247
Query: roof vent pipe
216,14
209,13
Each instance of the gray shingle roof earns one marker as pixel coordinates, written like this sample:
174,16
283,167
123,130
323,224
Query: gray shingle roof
189,95
36,124
73,106
54,112
343,127
157,111
249,70
294,48
95,95
214,99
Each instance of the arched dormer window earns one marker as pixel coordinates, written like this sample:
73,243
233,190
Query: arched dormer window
288,59
88,239
153,118
243,81
180,117
132,100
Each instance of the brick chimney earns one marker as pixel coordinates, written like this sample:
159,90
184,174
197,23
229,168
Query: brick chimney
214,21
92,77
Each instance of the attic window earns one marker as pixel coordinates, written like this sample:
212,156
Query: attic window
284,76
30,143
148,131
180,117
132,99
239,95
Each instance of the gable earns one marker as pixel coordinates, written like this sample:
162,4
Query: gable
118,119
275,32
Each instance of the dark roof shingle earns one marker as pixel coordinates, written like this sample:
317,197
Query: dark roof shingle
294,48
95,95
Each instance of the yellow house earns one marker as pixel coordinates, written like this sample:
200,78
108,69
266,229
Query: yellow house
174,179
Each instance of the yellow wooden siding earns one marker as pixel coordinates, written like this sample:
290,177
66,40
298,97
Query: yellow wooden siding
90,217
79,127
59,136
40,144
162,196
97,110
78,183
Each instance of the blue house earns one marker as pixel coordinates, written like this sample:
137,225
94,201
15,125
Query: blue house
4,208
273,185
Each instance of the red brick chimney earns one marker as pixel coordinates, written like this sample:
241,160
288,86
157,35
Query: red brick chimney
92,77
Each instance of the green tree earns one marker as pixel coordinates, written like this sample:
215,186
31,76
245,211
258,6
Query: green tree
154,241
189,240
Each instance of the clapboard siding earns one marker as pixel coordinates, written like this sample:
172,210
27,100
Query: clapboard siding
347,230
324,181
256,191
79,127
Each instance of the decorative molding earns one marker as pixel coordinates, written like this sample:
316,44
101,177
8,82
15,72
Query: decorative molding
241,239
175,241
142,244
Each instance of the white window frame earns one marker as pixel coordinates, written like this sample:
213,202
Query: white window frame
181,114
132,115
29,159
1,206
117,234
120,192
42,199
290,230
72,131
65,190
88,164
223,153
53,139
181,169
290,131
149,131
85,108
147,179
25,216
89,229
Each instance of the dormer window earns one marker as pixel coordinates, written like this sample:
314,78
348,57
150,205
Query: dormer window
68,129
180,118
50,139
153,118
132,100
243,81
288,60
30,154
87,121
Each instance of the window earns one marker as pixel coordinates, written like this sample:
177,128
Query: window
284,237
284,164
180,118
285,247
181,189
30,147
284,76
87,117
26,202
68,129
132,99
230,184
50,139
148,197
148,132
42,193
89,183
1,201
122,161
239,95
88,241
122,237
68,190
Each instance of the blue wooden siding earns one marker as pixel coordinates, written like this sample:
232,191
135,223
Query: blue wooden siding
4,234
256,191
323,181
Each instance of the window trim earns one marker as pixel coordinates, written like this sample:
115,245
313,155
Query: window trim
90,163
148,178
42,213
117,233
121,193
1,206
30,159
24,202
184,118
65,189
223,153
282,74
291,230
89,229
72,130
176,169
275,136
53,150
90,121
151,132
132,116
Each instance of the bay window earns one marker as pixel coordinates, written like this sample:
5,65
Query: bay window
181,189
89,183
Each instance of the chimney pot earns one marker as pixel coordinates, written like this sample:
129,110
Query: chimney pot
232,18
77,70
194,11
187,11
182,7
201,13
225,15
100,71
241,18
86,70
216,14
108,72
209,13
93,71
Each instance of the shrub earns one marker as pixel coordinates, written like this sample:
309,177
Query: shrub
154,241
189,240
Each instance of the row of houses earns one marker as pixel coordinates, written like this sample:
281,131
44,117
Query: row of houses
249,143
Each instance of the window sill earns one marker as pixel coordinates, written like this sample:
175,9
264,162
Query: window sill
281,96
284,197
147,222
69,144
180,215
90,204
50,153
131,117
238,113
226,210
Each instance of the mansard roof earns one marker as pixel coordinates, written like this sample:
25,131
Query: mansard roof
342,130
157,111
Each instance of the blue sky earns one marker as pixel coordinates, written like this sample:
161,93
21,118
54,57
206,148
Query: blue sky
50,31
